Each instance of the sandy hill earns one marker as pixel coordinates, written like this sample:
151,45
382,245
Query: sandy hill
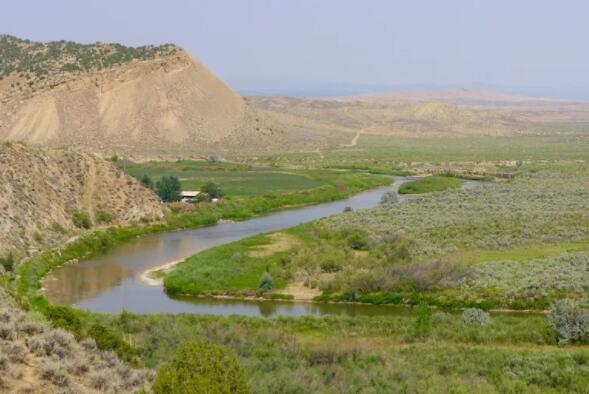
44,189
107,98
455,113
392,117
467,97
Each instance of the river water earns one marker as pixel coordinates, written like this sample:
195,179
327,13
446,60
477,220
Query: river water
111,282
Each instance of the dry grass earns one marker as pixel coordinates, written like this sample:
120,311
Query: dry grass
279,242
35,358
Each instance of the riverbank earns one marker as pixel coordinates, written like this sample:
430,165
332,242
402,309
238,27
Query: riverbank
155,276
95,242
453,249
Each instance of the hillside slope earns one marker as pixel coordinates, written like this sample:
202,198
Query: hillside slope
106,98
384,117
36,358
42,189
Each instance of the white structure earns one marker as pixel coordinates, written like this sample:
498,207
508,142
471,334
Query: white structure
188,196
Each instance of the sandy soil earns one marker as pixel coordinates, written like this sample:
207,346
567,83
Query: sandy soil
148,277
281,242
300,292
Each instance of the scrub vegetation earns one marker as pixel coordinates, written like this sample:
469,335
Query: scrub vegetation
503,245
430,184
440,353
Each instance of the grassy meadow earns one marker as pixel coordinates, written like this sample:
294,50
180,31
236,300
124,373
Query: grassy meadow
373,354
476,155
234,179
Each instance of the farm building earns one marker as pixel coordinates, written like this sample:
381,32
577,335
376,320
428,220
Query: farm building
188,196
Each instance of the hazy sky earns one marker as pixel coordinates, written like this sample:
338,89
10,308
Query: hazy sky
265,43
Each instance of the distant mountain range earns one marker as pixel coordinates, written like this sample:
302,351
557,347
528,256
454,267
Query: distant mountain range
155,102
321,90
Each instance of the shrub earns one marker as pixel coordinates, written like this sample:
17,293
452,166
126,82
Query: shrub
389,197
4,363
64,317
201,368
423,319
357,240
146,181
55,373
15,351
81,219
213,190
168,188
475,316
266,283
58,228
8,262
103,217
570,321
108,339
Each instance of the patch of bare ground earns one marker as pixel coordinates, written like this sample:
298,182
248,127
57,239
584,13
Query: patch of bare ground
304,290
300,292
280,242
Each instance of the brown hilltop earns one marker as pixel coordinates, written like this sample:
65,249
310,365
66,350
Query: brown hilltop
162,104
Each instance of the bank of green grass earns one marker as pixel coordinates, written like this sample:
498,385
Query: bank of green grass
430,184
227,270
338,185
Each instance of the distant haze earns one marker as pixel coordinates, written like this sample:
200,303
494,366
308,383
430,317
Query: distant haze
333,47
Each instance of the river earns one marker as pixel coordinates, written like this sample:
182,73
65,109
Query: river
111,282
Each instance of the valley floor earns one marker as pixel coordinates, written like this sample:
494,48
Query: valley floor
519,242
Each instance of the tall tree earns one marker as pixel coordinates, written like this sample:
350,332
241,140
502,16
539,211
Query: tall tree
168,188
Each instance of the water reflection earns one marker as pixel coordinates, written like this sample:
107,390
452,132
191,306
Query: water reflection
268,308
73,282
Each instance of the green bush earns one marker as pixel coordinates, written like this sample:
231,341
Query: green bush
103,217
81,219
357,240
423,319
570,322
212,189
430,184
266,283
108,339
64,317
146,181
168,188
201,368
